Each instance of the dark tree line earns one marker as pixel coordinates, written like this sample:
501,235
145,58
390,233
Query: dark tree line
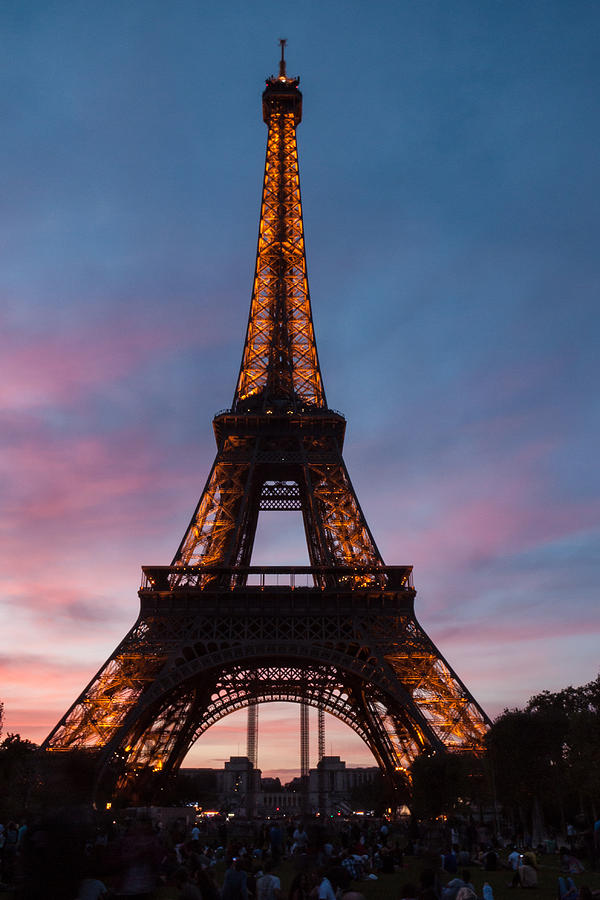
18,775
33,781
547,756
540,764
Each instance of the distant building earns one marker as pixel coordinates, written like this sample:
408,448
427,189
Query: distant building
240,789
269,785
330,785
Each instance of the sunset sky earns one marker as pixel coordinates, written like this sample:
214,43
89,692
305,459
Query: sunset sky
450,182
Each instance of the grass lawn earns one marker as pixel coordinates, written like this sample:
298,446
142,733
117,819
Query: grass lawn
388,887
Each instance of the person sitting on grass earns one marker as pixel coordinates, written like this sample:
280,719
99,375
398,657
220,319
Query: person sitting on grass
466,893
490,860
525,877
570,863
450,892
586,893
567,889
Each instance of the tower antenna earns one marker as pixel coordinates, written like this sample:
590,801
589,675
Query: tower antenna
282,73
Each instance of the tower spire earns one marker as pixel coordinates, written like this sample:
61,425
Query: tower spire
282,73
280,367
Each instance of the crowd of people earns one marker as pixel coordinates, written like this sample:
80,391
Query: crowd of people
75,857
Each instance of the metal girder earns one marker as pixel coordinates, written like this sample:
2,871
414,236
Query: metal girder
280,496
293,478
338,512
209,535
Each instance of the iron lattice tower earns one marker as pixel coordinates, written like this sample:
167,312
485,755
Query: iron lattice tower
215,634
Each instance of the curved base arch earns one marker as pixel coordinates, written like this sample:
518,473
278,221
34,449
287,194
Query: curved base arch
170,723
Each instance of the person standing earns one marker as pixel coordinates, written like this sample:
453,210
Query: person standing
300,839
326,891
276,841
514,859
268,886
140,853
235,884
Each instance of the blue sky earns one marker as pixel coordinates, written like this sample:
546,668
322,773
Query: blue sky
450,184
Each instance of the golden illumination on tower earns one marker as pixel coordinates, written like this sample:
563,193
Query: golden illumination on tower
280,363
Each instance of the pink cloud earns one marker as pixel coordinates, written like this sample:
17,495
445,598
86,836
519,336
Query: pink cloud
70,502
464,516
37,371
532,627
37,692
81,476
64,611
41,370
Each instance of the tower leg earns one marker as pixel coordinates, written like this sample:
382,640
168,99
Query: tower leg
321,745
321,754
252,734
304,741
304,755
252,754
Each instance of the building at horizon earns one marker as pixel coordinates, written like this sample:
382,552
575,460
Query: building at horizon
239,788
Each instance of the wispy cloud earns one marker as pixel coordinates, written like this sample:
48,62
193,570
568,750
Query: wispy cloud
39,371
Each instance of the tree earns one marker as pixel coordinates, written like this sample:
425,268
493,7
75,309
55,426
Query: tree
546,757
378,795
18,775
446,784
580,763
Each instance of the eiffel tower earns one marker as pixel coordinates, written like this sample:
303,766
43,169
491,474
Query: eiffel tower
216,634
